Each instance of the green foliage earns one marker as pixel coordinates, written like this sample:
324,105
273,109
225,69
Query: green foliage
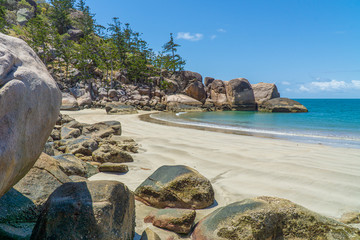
25,4
60,14
117,48
2,16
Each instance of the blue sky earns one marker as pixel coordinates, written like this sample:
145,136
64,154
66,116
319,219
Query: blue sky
309,48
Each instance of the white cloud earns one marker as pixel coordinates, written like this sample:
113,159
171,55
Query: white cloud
285,83
330,85
221,30
190,37
356,83
213,37
304,89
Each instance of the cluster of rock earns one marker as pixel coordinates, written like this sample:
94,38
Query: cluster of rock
99,143
185,91
20,12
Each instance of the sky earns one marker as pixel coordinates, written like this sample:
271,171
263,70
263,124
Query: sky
308,48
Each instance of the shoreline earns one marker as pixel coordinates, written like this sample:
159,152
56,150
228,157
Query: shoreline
321,178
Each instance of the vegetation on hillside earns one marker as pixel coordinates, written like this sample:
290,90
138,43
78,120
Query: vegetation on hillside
66,37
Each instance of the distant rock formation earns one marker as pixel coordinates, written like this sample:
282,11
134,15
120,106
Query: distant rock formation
29,106
240,94
284,105
264,92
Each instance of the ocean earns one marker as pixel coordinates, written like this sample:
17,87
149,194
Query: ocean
334,122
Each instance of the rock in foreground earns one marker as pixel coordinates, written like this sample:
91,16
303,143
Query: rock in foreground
285,105
88,210
270,218
176,187
176,220
29,106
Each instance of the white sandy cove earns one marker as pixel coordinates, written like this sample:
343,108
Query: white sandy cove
321,178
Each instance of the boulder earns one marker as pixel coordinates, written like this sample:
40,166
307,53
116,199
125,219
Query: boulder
113,167
69,102
29,107
71,165
21,205
82,145
23,15
208,81
176,187
282,105
67,133
77,91
182,99
102,129
75,34
217,93
197,91
176,220
119,109
85,100
112,93
112,154
264,92
88,210
240,95
125,143
270,218
148,234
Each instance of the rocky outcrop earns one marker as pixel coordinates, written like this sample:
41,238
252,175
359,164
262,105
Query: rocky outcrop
110,153
264,92
240,95
350,218
29,106
285,105
88,210
208,81
176,220
119,109
269,218
176,187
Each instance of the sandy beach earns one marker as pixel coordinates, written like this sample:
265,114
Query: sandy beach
321,178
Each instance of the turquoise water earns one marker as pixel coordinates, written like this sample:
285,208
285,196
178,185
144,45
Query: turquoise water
329,121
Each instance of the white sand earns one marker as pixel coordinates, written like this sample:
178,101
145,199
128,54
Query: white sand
321,178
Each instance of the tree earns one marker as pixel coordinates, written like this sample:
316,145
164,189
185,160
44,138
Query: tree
171,61
118,38
60,14
65,51
86,21
2,16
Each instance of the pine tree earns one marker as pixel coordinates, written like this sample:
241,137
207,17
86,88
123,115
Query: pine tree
87,22
60,14
171,61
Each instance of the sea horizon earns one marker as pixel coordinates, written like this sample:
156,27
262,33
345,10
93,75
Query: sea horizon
330,121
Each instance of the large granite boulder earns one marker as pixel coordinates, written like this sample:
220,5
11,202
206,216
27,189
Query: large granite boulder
217,92
197,91
111,153
88,210
176,220
182,103
149,234
29,106
21,206
71,165
270,218
282,105
240,95
119,109
176,187
264,92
